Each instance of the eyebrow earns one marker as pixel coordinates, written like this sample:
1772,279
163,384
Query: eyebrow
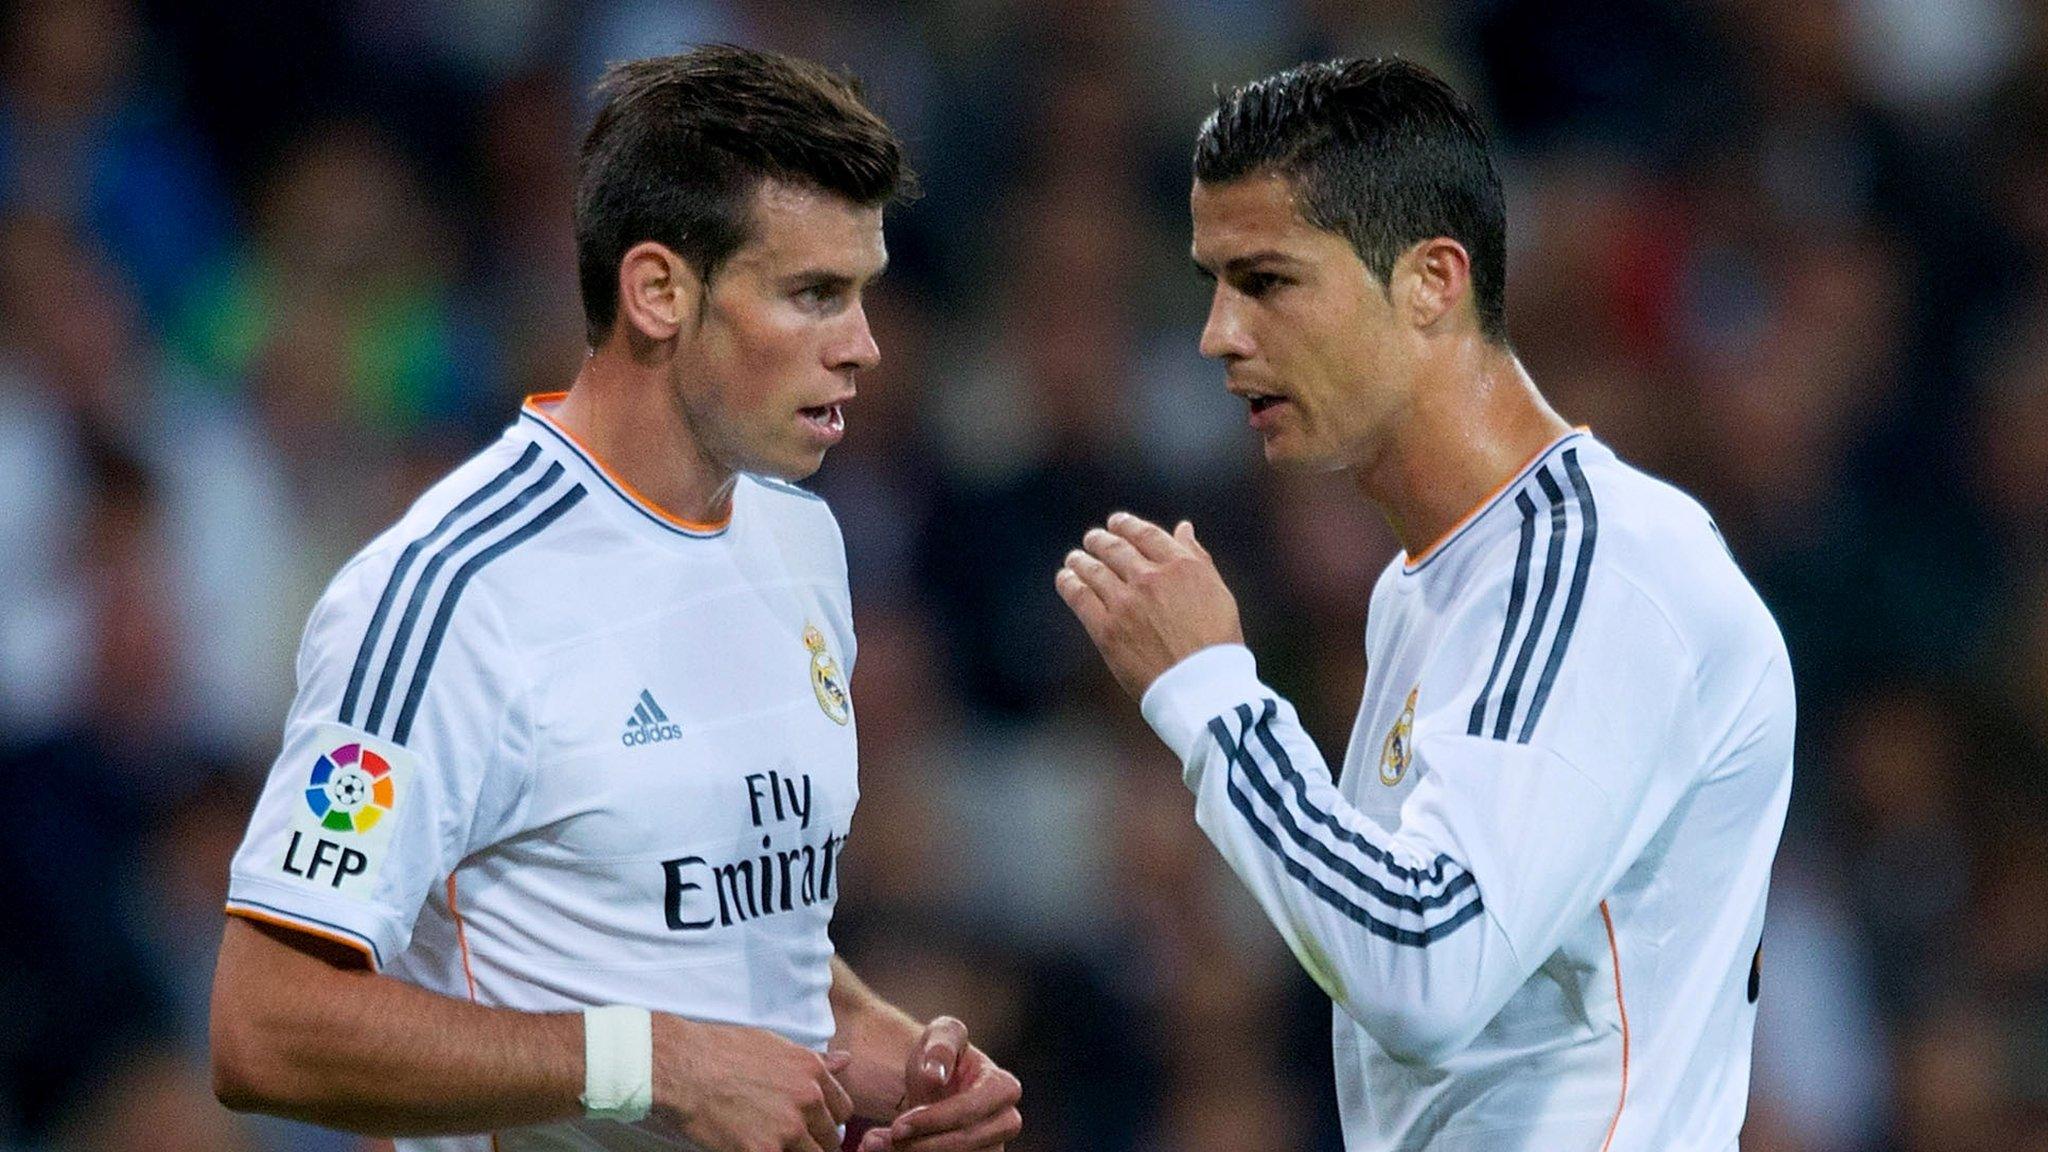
1247,263
834,275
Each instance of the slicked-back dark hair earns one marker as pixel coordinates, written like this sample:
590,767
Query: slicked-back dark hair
1384,154
681,142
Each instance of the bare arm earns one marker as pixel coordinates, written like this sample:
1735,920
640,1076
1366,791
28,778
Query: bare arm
302,1028
880,1037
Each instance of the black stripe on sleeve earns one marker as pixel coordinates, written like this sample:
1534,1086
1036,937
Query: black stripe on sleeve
1238,753
470,567
1373,924
1588,530
396,656
405,559
1516,594
1299,785
1400,901
1553,560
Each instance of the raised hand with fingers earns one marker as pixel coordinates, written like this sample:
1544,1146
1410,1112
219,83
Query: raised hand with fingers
1148,598
956,1099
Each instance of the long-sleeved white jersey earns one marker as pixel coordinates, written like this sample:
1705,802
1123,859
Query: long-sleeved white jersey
1536,891
554,748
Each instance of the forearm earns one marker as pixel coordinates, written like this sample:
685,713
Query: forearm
295,1036
879,1036
1392,926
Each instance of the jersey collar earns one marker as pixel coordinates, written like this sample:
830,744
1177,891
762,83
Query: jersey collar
1410,565
538,411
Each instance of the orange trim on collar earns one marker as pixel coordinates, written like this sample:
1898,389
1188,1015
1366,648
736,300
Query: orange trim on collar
1478,509
534,404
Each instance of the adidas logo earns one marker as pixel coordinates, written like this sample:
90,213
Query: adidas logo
648,724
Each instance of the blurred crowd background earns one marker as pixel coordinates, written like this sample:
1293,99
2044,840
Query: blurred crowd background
268,268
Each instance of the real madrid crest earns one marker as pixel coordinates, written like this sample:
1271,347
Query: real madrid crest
825,678
1400,746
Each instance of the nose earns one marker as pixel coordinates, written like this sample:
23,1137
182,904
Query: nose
856,350
1223,335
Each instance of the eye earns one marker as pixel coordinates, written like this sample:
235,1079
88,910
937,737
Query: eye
822,296
1258,285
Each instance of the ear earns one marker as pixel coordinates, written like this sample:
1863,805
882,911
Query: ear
1437,274
657,290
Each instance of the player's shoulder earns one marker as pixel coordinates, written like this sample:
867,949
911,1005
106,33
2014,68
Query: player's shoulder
1655,541
505,496
488,473
780,497
1649,529
796,516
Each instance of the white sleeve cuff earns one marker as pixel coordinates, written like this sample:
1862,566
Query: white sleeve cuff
344,920
1180,704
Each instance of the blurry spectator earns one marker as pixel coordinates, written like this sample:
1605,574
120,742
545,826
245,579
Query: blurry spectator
1904,763
1035,431
81,382
1820,1073
339,317
1950,1074
81,992
86,138
525,318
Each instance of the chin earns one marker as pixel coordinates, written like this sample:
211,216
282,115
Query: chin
793,469
1286,456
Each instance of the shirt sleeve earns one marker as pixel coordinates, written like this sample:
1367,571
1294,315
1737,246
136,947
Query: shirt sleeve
1513,834
406,747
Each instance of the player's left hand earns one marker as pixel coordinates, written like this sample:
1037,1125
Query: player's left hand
958,1099
1148,598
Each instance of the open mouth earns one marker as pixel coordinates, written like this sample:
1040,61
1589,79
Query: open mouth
1261,403
827,417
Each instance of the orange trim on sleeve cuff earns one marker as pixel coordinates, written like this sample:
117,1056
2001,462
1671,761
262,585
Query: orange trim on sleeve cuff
300,926
534,404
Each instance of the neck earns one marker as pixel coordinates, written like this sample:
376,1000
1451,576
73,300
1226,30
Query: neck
623,410
1470,427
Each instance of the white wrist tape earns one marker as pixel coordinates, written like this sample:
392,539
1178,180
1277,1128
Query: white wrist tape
618,1063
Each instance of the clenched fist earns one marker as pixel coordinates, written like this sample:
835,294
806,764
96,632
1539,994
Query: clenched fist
729,1088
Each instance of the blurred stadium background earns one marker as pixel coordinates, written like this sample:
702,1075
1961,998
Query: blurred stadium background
267,268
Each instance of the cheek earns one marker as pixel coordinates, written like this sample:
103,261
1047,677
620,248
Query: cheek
759,359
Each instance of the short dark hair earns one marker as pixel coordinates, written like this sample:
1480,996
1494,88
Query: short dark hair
681,142
1385,154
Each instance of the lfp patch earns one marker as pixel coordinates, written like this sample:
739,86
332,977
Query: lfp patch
350,789
341,831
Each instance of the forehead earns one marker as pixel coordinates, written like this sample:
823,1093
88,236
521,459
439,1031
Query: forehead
795,225
1259,212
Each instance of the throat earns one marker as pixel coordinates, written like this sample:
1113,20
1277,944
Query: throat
648,449
1450,458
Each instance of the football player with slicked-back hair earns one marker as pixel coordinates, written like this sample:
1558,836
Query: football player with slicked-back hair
1535,892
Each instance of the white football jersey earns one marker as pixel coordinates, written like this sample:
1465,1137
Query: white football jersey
553,748
1536,891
